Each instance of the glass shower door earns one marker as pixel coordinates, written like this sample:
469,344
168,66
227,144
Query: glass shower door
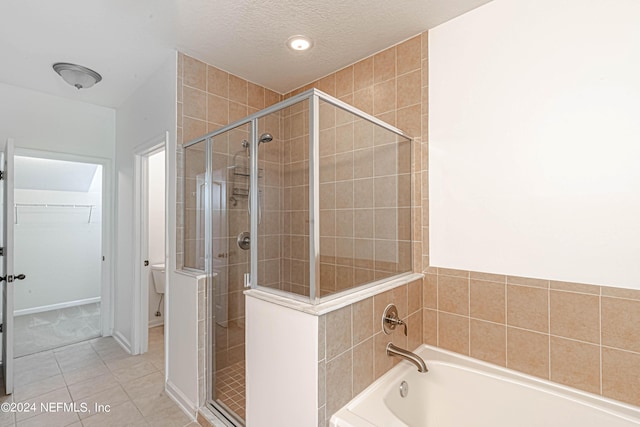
229,238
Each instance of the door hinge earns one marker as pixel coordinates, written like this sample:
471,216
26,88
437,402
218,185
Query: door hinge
1,327
247,280
1,175
1,251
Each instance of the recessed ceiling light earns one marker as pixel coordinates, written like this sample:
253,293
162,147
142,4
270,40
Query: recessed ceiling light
299,43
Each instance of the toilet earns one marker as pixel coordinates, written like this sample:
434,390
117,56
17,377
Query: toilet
157,272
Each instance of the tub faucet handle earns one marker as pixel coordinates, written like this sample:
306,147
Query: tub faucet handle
390,320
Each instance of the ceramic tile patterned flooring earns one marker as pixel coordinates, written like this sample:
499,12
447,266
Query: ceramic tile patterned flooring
230,388
95,372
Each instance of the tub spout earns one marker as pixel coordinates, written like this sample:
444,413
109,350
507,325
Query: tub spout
393,350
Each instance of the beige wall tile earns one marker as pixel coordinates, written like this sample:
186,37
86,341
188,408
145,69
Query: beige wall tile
408,55
487,300
527,281
575,364
453,332
488,342
430,327
194,73
344,81
452,272
384,98
430,291
382,362
408,120
217,110
528,352
620,370
338,332
339,376
363,99
497,278
384,65
238,89
363,374
237,111
620,320
255,96
409,89
414,330
195,103
192,129
363,74
575,316
528,308
327,84
453,295
574,287
363,322
620,293
217,82
414,296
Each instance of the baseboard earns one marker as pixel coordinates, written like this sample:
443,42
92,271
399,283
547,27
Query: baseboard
156,322
124,342
58,306
187,406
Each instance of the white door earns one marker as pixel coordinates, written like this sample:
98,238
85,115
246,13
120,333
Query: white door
7,271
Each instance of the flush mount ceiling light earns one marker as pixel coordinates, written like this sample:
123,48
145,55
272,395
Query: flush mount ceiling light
299,43
77,75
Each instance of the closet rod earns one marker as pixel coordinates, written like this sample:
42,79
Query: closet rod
52,205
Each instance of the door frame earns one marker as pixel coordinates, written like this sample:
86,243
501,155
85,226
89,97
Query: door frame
140,315
106,287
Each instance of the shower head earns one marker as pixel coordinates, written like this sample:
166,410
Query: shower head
265,137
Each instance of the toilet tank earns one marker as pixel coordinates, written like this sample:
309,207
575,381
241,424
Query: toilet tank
157,272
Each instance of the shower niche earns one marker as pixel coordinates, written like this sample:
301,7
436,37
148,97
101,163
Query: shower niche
309,199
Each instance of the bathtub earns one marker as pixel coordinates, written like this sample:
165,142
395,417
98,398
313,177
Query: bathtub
462,392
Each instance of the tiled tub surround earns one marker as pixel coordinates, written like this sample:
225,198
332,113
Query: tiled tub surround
352,346
583,336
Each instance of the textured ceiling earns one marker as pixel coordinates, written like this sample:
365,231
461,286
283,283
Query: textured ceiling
126,41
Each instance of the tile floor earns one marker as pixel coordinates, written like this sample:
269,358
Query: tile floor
94,372
34,333
230,388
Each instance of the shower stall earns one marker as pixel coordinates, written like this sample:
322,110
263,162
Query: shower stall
309,199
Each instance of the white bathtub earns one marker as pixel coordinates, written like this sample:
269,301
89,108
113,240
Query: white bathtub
462,392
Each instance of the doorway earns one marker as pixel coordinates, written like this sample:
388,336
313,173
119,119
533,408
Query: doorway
58,245
151,253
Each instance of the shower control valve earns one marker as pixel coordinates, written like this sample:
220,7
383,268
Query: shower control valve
390,320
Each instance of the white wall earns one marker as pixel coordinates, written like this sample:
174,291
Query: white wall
182,329
281,366
44,122
533,132
156,179
59,249
148,113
